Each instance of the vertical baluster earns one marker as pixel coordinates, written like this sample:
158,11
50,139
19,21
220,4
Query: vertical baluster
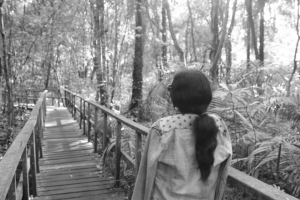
74,97
118,155
11,195
80,113
58,98
25,175
52,97
33,164
65,95
26,94
37,145
41,131
84,117
89,122
104,132
95,132
138,150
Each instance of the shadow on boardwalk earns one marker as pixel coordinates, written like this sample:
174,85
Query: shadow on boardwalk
68,167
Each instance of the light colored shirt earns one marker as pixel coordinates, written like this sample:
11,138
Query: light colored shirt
169,169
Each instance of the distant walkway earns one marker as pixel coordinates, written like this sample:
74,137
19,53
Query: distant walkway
68,167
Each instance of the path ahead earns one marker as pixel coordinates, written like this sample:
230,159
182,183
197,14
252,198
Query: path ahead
68,167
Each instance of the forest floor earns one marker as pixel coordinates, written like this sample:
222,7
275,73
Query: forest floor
7,133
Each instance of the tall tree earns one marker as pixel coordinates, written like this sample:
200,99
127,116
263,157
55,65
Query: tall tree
216,44
137,73
172,32
7,73
288,86
228,42
192,30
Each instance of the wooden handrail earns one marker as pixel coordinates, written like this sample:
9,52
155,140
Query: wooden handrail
236,178
31,134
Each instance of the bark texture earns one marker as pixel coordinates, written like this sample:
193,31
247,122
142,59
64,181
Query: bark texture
137,74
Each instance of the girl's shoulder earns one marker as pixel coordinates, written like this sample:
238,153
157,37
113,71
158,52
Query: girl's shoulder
178,121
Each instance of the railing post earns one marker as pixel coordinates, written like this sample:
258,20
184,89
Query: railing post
80,114
138,151
37,145
95,132
26,94
74,106
66,104
58,98
25,176
104,132
52,98
33,164
83,117
118,155
89,122
11,195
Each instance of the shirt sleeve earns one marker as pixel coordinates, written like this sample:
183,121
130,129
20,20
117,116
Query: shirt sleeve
147,171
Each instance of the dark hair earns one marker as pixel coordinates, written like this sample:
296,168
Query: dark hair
191,93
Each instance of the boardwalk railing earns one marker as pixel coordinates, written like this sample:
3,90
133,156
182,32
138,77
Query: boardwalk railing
30,136
24,96
236,178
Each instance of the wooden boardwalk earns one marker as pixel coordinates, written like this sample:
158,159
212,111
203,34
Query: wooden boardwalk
68,167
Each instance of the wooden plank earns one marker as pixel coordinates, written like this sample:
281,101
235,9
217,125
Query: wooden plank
112,196
105,193
72,182
67,191
76,185
64,171
60,161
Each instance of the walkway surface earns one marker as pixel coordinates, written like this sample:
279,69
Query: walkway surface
68,167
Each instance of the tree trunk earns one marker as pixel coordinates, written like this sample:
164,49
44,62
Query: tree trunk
137,74
248,45
164,38
214,67
177,47
252,28
192,31
229,46
6,70
115,54
260,77
288,87
51,56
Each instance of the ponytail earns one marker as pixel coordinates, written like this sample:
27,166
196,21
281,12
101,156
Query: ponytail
205,131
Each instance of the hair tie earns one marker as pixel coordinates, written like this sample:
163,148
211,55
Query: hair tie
204,113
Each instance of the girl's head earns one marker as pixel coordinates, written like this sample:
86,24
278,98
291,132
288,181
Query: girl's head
190,92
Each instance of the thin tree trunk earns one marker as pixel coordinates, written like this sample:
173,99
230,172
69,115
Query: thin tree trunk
186,52
214,28
192,31
115,54
252,28
288,87
248,45
164,38
260,77
172,32
102,39
137,74
5,67
51,57
229,45
214,67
